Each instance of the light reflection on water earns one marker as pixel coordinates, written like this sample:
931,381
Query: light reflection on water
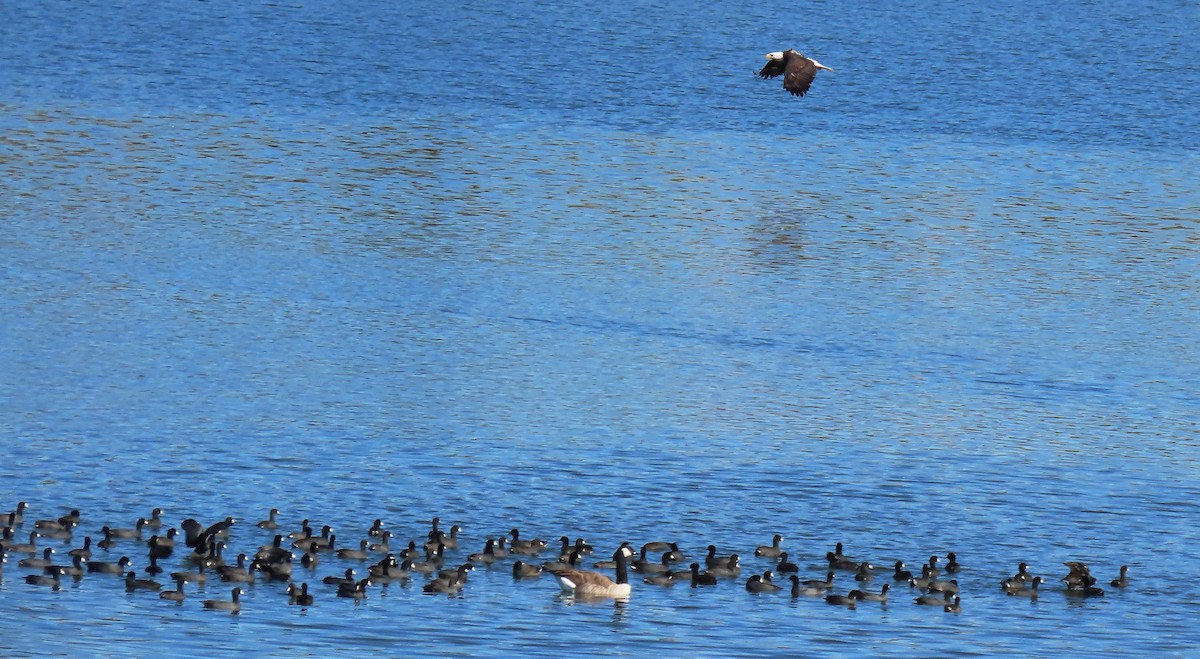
610,326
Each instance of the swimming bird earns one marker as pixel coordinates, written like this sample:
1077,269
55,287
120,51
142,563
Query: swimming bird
174,595
901,574
103,567
771,551
701,578
1123,580
881,596
523,570
269,522
301,597
934,600
38,563
952,564
864,572
132,583
588,584
755,584
85,551
525,547
338,581
786,565
359,554
661,579
712,559
1020,588
355,591
799,589
232,605
51,578
797,70
839,562
731,568
850,600
954,606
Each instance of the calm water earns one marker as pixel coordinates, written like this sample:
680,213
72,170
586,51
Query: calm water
574,268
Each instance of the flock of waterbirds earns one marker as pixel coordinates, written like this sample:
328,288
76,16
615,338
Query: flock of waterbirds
437,561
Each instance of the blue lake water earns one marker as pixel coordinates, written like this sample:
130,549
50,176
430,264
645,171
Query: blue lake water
574,268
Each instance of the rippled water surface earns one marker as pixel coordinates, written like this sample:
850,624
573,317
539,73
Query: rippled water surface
574,268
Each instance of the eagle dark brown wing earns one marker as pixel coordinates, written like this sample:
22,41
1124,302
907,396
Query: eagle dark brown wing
799,72
773,69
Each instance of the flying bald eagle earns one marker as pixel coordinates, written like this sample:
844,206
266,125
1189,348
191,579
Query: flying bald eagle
798,71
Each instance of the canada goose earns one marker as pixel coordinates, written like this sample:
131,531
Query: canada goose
38,563
755,584
952,564
701,578
338,581
102,567
881,596
731,568
359,554
523,570
864,572
525,547
132,583
901,574
269,523
232,605
850,600
1123,580
786,565
355,591
85,551
174,595
587,584
954,606
771,551
302,597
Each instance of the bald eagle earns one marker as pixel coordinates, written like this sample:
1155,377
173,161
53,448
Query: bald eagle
798,71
